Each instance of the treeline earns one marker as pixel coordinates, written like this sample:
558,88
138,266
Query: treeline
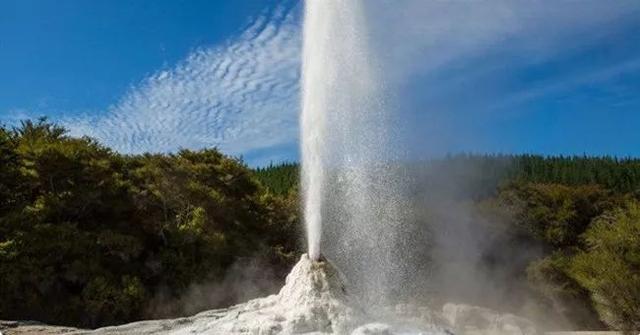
621,175
486,173
279,178
90,237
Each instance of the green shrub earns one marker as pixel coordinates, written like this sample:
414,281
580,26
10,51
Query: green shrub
89,237
610,266
557,214
558,291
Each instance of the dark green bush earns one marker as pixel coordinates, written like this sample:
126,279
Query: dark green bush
609,268
89,237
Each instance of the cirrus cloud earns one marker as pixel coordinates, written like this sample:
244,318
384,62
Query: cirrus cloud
240,97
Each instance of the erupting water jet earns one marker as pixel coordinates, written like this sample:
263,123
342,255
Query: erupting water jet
339,91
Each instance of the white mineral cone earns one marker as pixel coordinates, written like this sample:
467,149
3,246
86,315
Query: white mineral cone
314,301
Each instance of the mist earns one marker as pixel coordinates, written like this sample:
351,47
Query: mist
406,229
248,278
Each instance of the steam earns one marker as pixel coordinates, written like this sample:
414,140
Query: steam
246,279
366,207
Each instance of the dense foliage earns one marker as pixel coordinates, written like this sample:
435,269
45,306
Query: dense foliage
280,179
90,237
609,267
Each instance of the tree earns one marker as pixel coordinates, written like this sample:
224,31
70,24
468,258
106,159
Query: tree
557,214
89,237
610,266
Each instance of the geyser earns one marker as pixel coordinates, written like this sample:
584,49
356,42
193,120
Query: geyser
342,122
339,91
348,142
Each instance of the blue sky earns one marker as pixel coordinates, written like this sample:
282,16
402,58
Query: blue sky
68,56
550,77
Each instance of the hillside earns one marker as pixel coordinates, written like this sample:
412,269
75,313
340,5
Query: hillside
90,237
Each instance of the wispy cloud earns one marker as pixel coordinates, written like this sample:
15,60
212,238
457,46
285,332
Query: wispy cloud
445,61
460,67
423,36
240,97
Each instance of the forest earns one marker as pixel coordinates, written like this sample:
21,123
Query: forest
91,237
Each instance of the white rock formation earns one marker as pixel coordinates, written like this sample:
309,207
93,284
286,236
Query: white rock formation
315,301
